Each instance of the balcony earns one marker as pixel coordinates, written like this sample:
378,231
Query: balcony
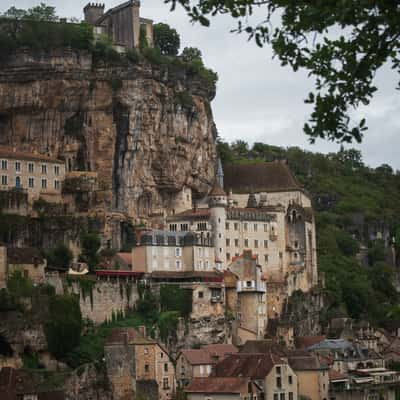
250,286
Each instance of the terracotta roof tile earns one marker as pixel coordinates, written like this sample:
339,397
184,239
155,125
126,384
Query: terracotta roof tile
197,356
256,366
259,177
127,335
200,213
336,376
302,342
220,350
263,346
24,255
218,385
8,152
217,190
306,363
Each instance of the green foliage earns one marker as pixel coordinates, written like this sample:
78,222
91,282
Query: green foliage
167,323
90,243
154,56
147,305
63,328
166,39
30,360
190,54
18,286
174,298
342,44
104,53
184,98
133,56
376,252
43,35
143,44
59,257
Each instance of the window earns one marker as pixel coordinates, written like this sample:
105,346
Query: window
276,397
202,226
4,179
17,182
296,244
265,228
56,170
44,183
246,242
266,258
44,169
30,167
290,379
31,182
161,355
228,256
236,226
245,226
165,367
184,227
282,396
172,227
200,251
227,226
17,166
248,284
236,242
290,395
200,295
278,370
199,264
228,242
206,264
255,227
177,252
56,184
4,164
256,243
280,254
278,382
146,368
265,244
178,264
146,350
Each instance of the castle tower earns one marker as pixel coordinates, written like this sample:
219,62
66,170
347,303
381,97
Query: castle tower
92,12
218,201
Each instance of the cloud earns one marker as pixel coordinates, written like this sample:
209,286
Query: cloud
257,99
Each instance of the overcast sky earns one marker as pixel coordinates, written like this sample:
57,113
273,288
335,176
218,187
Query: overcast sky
257,99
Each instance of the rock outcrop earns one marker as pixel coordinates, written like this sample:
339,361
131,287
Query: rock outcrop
146,130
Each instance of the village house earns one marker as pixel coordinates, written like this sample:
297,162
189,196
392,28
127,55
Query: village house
223,388
32,176
271,373
26,260
199,363
247,299
132,357
122,24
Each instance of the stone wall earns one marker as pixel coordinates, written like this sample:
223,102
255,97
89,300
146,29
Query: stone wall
102,300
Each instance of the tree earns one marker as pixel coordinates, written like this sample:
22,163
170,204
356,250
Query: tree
340,43
64,325
190,54
166,39
42,12
60,257
90,243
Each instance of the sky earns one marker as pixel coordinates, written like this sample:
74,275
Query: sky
258,100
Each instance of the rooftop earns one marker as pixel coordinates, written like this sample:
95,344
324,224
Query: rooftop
256,366
305,363
265,346
10,152
218,385
127,336
24,255
302,342
259,177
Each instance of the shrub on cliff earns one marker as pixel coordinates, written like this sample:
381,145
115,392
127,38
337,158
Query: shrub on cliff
59,257
166,39
64,325
90,243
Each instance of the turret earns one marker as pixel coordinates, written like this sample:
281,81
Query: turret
218,201
92,12
220,173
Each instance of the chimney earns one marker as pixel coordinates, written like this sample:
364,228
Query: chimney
142,330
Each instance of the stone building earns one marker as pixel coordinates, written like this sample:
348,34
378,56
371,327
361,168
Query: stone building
122,23
266,211
223,389
271,373
247,299
132,357
27,260
199,363
36,175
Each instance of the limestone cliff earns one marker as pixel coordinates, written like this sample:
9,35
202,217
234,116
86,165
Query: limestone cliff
146,130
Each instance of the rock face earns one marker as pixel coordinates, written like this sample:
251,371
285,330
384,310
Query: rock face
146,130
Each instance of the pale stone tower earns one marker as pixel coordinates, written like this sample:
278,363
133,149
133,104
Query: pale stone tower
220,173
218,201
